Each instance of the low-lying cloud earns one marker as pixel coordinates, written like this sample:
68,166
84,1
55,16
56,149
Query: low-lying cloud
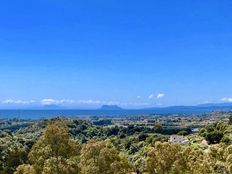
69,102
226,99
46,102
151,96
160,95
56,102
19,102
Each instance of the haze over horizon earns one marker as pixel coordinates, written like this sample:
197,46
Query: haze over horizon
85,54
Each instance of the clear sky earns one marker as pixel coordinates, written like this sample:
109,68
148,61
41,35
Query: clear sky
133,53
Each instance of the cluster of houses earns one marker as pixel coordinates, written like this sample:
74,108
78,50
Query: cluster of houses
183,140
178,139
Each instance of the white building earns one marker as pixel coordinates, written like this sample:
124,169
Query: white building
178,139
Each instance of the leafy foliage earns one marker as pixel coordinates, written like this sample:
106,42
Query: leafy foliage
72,146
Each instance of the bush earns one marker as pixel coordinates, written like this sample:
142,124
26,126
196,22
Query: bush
183,132
214,137
143,137
230,120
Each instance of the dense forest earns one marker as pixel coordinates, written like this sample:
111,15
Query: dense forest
74,146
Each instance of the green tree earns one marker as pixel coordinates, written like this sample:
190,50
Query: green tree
230,120
228,158
192,161
183,132
14,159
25,169
97,157
55,153
214,137
161,157
158,128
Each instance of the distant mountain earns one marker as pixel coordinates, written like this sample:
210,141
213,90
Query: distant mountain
198,109
109,110
110,107
53,107
215,105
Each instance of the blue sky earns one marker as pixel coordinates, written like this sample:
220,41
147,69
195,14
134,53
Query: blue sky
131,53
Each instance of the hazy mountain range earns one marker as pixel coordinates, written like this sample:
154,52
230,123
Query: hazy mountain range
197,109
202,108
